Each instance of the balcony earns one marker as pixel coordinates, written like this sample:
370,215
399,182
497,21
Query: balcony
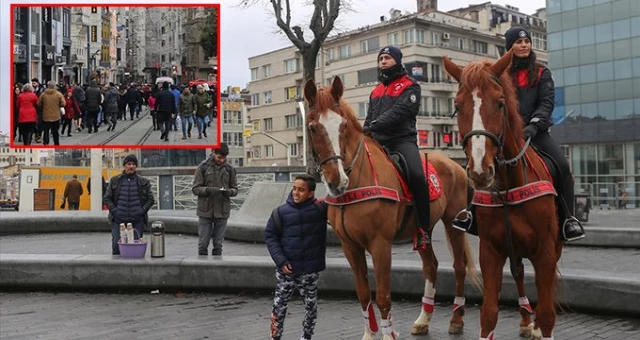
440,85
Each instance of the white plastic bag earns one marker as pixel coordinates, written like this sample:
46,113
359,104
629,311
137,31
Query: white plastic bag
62,112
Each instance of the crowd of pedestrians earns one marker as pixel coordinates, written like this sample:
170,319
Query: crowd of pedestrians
40,114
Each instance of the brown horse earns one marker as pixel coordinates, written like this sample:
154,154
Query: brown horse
367,209
516,209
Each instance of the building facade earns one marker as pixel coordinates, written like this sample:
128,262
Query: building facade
424,37
196,61
163,40
594,55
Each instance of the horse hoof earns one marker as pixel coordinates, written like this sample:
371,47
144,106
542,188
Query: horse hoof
418,329
536,334
456,328
526,331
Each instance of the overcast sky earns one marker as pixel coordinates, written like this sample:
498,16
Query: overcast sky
248,32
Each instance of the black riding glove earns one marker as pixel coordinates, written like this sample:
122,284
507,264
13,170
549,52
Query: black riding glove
530,131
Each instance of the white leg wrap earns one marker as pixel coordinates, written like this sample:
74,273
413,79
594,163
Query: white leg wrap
543,338
458,302
490,337
387,329
524,304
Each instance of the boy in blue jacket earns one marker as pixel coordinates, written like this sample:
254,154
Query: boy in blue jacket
297,246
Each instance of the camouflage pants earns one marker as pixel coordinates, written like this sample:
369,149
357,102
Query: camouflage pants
307,285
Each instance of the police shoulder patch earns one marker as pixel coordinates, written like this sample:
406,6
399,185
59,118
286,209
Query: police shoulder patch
413,98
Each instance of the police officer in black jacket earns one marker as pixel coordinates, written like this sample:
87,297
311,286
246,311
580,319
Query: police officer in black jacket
391,120
166,110
536,92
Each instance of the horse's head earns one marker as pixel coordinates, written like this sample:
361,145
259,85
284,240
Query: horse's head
326,124
486,104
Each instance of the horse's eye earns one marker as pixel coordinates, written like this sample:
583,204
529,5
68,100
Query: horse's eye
500,105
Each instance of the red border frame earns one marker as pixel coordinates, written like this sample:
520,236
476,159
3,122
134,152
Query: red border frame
156,146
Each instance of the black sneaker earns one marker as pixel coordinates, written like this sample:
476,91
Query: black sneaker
572,230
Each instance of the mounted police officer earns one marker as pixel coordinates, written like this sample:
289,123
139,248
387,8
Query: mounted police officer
536,91
391,120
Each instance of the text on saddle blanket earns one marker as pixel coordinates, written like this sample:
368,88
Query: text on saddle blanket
515,196
378,192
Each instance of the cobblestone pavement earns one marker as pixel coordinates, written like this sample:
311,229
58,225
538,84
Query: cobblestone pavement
613,260
74,316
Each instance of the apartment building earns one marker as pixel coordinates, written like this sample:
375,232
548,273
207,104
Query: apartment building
424,37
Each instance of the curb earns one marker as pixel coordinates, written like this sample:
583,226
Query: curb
246,229
579,290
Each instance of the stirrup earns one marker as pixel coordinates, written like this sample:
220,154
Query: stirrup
564,225
463,224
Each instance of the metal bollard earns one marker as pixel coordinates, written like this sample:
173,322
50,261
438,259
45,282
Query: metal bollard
157,239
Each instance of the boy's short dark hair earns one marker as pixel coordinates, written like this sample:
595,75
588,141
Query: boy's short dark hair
311,182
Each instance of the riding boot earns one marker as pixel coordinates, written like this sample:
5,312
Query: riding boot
465,221
422,237
571,229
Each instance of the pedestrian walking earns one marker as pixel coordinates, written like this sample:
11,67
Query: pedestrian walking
128,198
214,183
72,192
71,110
296,236
27,113
203,105
51,101
93,102
165,109
187,109
111,99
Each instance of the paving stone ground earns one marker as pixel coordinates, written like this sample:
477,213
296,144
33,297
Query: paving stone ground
190,316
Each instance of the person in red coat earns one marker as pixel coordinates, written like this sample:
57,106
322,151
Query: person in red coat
71,111
27,113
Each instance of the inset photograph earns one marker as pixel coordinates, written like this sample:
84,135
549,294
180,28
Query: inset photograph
120,76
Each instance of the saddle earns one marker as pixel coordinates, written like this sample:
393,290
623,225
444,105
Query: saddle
551,167
400,163
402,170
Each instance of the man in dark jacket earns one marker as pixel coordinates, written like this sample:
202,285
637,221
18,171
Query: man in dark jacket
93,98
214,183
166,110
128,198
298,248
72,192
391,120
110,106
133,99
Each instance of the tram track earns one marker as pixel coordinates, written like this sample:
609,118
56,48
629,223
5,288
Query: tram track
121,132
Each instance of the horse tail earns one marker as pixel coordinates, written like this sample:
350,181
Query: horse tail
472,272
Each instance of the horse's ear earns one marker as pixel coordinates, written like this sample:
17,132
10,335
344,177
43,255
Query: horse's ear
502,64
454,70
310,91
337,89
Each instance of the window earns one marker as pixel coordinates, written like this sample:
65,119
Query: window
450,106
255,99
480,47
256,152
370,45
393,39
344,51
330,54
363,107
539,41
413,36
423,107
267,97
254,73
162,43
368,76
318,61
268,124
435,107
291,65
163,59
232,138
293,121
266,71
291,93
461,43
293,149
418,70
232,117
341,76
435,38
435,73
268,151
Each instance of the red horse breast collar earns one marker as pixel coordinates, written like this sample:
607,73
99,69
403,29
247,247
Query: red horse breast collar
363,194
515,196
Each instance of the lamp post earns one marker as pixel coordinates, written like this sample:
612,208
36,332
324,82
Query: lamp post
279,142
304,131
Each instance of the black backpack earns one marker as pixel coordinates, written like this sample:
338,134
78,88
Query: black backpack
278,220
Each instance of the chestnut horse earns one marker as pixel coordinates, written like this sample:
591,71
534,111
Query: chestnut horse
370,221
516,210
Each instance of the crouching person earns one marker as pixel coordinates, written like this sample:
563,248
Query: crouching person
296,238
129,198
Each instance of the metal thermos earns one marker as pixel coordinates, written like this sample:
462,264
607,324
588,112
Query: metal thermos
157,239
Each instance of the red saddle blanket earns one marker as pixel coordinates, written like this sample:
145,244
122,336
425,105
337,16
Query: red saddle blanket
435,185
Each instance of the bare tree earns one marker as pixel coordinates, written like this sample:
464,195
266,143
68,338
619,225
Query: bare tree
321,23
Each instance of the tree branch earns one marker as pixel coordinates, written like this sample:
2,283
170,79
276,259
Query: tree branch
288,22
277,8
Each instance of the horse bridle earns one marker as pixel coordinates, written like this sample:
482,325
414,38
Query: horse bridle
333,156
499,139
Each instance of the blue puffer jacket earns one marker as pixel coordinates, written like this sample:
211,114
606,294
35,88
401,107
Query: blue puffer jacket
129,208
304,236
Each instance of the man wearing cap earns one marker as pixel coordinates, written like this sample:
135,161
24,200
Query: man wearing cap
214,183
391,120
128,198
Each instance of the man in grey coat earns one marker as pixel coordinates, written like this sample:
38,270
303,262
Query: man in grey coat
110,105
214,183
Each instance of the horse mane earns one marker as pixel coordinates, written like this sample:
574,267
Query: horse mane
477,75
325,102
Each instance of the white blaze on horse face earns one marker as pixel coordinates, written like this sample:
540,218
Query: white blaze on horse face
331,122
478,142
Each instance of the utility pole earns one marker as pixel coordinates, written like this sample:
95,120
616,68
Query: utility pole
88,54
287,147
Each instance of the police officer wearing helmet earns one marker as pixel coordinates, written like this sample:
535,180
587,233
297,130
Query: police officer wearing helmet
391,120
